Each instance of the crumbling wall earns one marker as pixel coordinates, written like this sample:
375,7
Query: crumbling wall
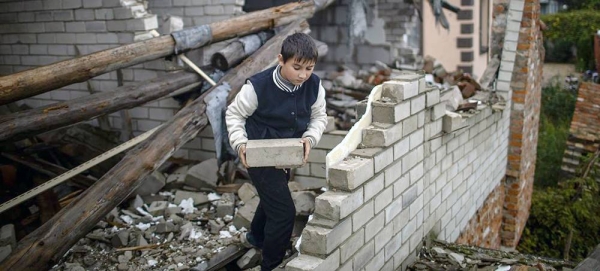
393,33
524,37
408,179
584,135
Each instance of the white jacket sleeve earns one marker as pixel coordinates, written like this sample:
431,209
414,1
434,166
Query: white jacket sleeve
243,106
318,118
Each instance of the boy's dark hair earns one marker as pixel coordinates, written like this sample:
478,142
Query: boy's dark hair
299,46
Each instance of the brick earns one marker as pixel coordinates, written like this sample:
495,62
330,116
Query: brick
104,14
452,122
410,125
362,216
63,15
393,172
392,246
353,244
52,4
309,263
20,49
85,38
417,104
55,27
75,27
111,3
321,241
84,15
33,5
373,186
309,182
214,10
329,141
71,4
393,210
361,108
390,112
433,97
416,138
8,236
143,24
43,16
338,205
38,49
381,134
439,111
24,17
92,3
107,38
398,91
350,173
384,199
275,152
362,257
194,11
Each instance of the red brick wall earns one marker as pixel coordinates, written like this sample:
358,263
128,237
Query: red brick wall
526,86
484,228
585,127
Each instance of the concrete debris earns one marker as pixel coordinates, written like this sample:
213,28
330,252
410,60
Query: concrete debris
8,236
198,197
246,192
439,255
251,259
304,201
151,184
203,175
226,205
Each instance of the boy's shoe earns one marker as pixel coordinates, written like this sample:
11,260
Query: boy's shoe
247,240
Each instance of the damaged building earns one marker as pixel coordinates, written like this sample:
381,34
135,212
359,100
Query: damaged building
112,108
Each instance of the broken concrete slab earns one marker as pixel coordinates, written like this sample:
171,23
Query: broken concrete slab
157,208
165,227
120,239
4,252
198,197
215,226
453,98
304,201
246,192
203,175
177,178
250,259
245,214
282,153
151,184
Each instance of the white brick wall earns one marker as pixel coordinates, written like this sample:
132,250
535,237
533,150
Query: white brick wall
433,185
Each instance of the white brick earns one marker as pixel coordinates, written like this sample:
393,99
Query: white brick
309,263
92,3
381,157
433,97
373,186
71,4
362,257
214,10
338,205
63,15
353,244
75,26
384,199
95,26
374,226
417,104
274,152
401,148
439,111
86,38
452,122
390,112
330,141
416,138
382,135
393,172
410,125
399,91
317,156
350,173
376,263
318,170
323,241
392,246
142,24
84,15
393,210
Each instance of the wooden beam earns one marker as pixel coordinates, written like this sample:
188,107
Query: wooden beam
47,244
39,80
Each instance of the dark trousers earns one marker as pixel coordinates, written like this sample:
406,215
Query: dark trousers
274,218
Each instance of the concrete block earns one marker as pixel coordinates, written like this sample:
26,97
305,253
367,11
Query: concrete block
338,205
146,23
362,257
398,91
244,216
350,173
381,134
322,241
8,236
63,15
250,259
304,201
151,184
95,26
203,175
330,124
439,110
353,244
417,104
71,4
225,205
309,263
410,125
318,170
381,157
247,191
282,153
373,186
384,199
362,216
452,122
92,3
84,15
433,97
309,183
432,129
390,112
330,141
157,208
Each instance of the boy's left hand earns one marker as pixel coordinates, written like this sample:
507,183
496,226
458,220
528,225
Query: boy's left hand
306,143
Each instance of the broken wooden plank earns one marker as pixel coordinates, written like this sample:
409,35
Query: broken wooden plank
232,54
46,245
39,80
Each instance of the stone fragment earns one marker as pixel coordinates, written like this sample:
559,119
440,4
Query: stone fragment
452,122
250,259
177,178
361,108
282,153
120,239
8,236
198,197
203,175
330,125
226,205
165,227
247,191
172,211
157,208
304,201
4,252
215,226
295,186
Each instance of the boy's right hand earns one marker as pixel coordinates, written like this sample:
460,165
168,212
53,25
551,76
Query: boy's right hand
242,155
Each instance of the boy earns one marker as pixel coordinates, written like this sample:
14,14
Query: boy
285,101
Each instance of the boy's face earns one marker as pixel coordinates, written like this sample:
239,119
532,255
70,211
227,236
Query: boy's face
295,70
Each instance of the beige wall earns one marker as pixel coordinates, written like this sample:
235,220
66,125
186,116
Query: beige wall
442,44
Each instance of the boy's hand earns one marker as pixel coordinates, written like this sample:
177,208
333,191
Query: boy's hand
306,143
242,155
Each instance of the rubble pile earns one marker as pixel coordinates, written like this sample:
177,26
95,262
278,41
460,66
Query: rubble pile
439,255
181,225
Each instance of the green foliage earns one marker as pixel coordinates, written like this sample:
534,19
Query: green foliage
576,28
555,212
557,109
582,4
